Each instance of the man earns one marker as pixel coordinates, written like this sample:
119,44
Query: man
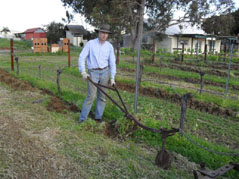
100,58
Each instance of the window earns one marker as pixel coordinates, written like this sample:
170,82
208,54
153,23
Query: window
198,45
211,45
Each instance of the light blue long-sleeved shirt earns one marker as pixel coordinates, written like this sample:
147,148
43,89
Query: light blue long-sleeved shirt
98,56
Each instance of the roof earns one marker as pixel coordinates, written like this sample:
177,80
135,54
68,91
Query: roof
32,30
202,36
75,29
187,29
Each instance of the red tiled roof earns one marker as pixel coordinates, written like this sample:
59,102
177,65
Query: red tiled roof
31,30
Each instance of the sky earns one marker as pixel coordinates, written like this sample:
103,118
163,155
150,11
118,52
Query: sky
19,15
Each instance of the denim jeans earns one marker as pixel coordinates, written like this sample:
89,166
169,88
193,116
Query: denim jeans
101,77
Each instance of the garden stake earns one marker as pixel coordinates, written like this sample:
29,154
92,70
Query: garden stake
16,59
184,109
39,67
182,57
58,80
201,81
69,53
205,53
12,53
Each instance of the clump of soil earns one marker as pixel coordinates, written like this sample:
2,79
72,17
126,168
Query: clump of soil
60,106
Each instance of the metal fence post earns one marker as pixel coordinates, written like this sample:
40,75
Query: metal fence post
229,69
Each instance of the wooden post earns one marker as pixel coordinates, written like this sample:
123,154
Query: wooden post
118,53
201,81
192,47
12,62
229,69
58,80
205,53
69,54
182,52
184,109
153,56
225,52
39,68
16,59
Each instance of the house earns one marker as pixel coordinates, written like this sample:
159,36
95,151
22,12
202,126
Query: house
34,33
173,39
75,33
191,42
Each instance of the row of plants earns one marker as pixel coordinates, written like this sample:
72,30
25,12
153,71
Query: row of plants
191,54
149,108
179,73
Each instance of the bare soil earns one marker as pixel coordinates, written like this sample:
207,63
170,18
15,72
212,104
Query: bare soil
192,103
56,103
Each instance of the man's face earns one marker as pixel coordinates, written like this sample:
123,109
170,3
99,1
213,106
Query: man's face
103,36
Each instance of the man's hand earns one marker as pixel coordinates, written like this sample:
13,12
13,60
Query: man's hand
112,82
84,75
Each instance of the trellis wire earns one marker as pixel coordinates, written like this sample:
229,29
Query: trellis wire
205,148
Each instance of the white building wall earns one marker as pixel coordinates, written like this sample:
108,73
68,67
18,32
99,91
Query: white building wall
166,43
69,36
78,40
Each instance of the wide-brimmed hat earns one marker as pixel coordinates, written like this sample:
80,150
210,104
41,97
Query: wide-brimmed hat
104,28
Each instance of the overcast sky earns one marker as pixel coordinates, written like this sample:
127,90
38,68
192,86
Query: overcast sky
20,15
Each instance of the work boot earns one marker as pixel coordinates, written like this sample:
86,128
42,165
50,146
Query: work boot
98,120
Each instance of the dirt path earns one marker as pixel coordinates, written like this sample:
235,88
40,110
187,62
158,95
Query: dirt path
25,152
23,156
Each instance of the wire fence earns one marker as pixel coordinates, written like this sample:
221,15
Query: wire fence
48,70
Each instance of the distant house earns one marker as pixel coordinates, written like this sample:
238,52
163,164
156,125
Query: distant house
173,38
192,43
75,33
34,33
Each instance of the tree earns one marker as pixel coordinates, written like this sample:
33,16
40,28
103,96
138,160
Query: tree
235,29
124,14
129,14
55,31
5,30
213,25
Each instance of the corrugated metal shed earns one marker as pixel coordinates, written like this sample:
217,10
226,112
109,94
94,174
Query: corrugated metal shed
76,30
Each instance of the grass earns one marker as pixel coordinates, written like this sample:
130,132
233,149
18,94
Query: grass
152,112
96,155
19,45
